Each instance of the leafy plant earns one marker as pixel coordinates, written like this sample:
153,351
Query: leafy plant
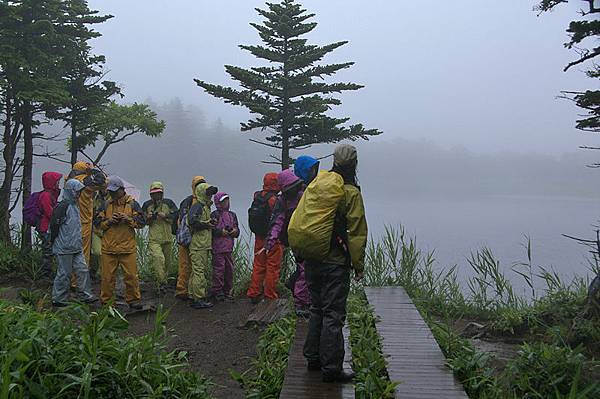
76,353
265,378
542,371
372,380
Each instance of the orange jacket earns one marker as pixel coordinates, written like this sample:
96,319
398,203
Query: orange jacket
119,238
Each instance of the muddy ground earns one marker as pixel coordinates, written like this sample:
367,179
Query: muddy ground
215,339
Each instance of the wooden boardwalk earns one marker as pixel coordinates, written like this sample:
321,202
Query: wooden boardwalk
301,383
413,355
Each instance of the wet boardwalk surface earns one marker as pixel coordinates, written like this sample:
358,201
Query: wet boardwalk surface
413,355
301,383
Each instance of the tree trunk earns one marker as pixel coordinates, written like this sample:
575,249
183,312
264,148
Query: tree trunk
27,171
8,155
74,145
285,134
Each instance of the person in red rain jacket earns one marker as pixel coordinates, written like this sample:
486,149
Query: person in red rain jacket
47,202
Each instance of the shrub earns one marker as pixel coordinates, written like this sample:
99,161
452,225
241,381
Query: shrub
265,378
542,371
74,353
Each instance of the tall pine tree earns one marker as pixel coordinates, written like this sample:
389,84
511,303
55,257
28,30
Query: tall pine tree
289,95
584,35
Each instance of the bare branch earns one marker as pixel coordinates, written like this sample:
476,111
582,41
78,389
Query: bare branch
584,58
265,144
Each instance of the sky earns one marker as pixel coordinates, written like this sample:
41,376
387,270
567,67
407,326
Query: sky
478,75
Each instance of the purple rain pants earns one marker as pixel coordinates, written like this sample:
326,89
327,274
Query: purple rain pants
222,275
301,293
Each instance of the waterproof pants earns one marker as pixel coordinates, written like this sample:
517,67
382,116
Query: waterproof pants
301,293
46,268
222,275
65,265
110,264
160,255
86,238
329,286
265,270
200,266
183,275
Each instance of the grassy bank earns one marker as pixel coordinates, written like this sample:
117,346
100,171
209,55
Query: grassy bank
554,336
75,353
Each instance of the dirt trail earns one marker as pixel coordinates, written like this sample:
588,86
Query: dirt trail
212,338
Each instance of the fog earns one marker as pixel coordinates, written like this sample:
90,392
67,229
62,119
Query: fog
477,150
483,75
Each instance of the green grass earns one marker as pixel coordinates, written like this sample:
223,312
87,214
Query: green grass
265,378
372,380
77,353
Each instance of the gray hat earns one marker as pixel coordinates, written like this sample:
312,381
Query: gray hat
345,154
114,183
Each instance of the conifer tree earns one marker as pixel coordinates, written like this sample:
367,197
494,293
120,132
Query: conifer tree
584,35
288,96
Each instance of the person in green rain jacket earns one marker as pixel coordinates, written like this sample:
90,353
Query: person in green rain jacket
200,248
160,212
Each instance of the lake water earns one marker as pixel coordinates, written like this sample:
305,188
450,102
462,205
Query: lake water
456,227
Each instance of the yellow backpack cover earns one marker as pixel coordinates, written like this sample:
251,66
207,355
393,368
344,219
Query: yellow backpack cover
311,226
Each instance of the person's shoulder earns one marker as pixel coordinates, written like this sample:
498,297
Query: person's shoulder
352,191
170,203
146,204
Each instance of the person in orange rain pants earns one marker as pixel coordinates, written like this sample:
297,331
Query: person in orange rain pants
183,240
267,266
118,218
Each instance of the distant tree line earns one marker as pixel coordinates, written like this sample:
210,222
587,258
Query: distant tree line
49,74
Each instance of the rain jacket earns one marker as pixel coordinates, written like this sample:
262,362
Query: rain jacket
352,210
120,238
159,230
69,239
86,199
48,198
201,229
282,212
303,166
226,219
185,205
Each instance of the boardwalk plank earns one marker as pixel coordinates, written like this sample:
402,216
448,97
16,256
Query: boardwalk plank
301,383
413,355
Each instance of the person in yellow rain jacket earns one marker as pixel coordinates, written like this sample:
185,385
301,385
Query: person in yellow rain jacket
201,225
160,213
118,219
329,279
93,180
185,263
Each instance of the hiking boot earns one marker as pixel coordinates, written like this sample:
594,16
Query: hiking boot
219,297
136,305
229,298
255,300
201,304
90,299
313,365
343,377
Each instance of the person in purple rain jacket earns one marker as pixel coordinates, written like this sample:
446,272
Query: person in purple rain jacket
225,232
291,192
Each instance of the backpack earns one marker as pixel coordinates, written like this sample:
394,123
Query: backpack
183,233
259,214
312,224
59,214
32,214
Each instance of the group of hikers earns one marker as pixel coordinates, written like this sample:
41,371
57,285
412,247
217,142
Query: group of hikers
319,215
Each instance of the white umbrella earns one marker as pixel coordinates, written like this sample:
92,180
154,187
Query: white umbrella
132,190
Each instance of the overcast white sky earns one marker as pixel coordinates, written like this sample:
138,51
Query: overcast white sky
478,74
